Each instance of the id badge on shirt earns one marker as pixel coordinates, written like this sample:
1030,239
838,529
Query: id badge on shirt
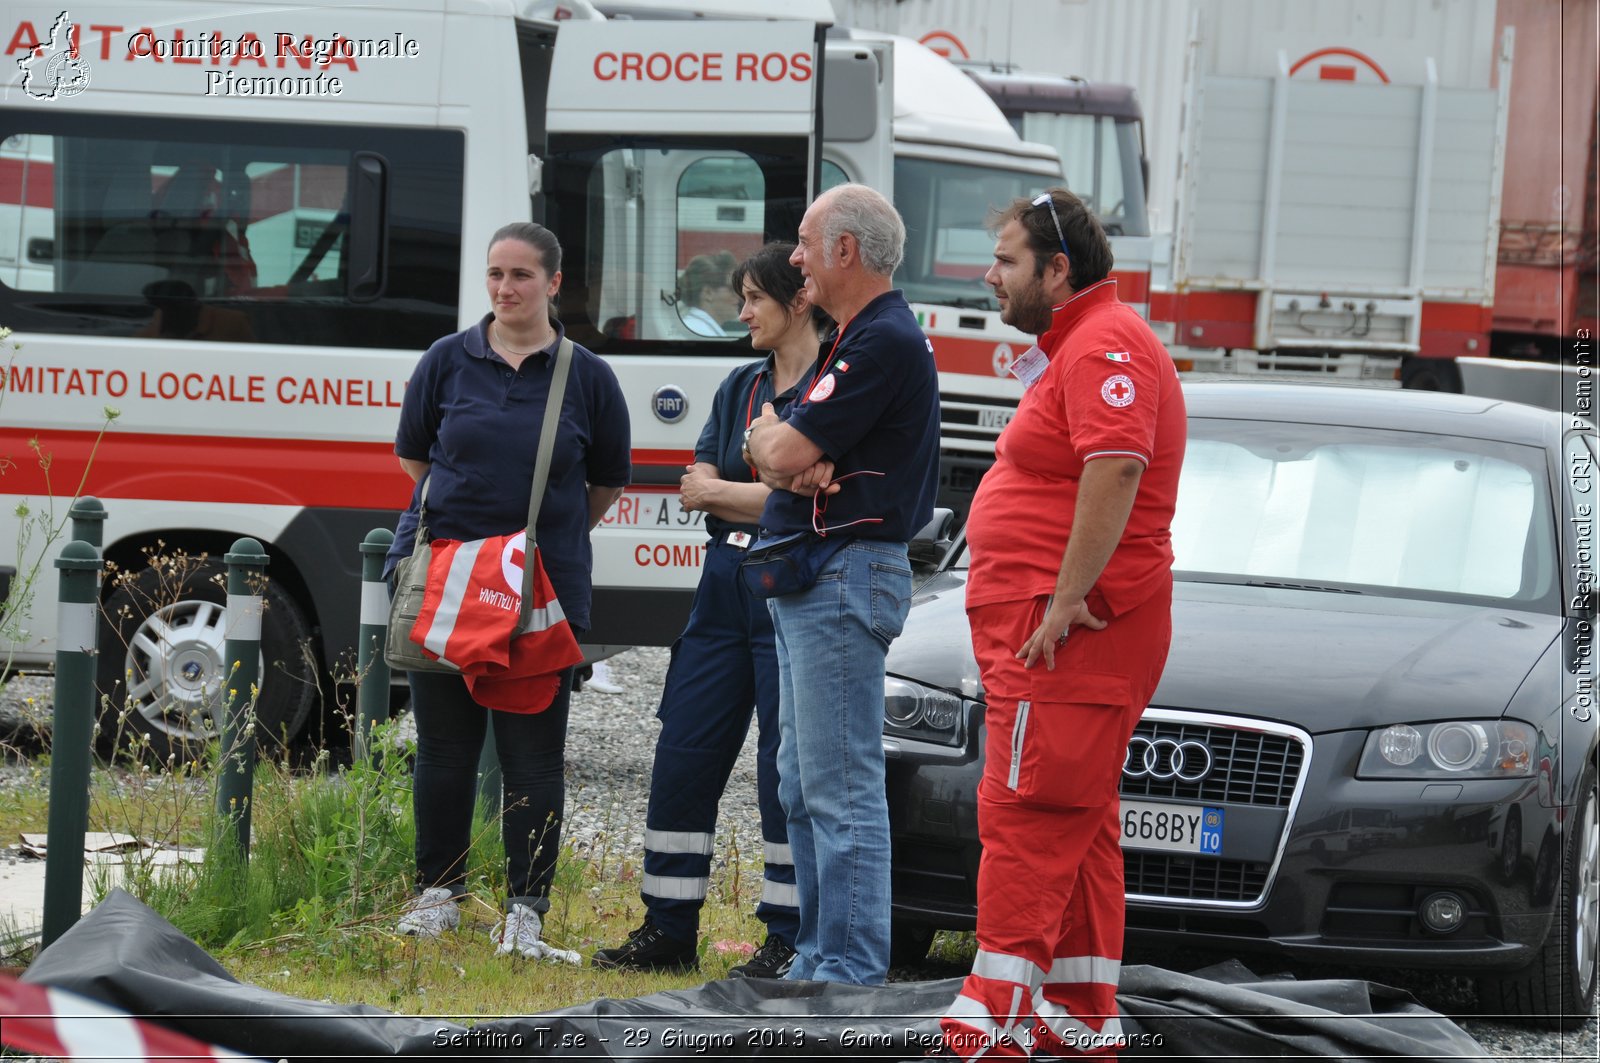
1030,367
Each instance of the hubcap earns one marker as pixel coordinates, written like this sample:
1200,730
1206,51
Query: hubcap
175,670
1586,902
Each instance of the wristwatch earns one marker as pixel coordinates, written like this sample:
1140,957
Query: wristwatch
747,431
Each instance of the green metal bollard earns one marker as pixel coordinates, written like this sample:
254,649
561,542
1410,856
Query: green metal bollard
372,671
72,735
247,563
489,781
88,521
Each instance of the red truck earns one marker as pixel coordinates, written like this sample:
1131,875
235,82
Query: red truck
1545,284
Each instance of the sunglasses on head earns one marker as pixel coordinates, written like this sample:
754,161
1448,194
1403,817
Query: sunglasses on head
1045,199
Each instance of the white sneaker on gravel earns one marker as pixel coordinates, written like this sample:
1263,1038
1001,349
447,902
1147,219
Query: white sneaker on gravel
520,931
430,913
600,680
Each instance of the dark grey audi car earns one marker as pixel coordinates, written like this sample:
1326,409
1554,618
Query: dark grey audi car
1375,738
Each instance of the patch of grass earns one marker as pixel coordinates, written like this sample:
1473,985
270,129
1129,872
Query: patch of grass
312,913
25,805
459,976
166,808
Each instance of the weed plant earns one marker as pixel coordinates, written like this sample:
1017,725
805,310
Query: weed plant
330,853
313,910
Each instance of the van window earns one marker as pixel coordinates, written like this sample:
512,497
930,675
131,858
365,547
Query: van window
226,231
721,203
832,175
651,230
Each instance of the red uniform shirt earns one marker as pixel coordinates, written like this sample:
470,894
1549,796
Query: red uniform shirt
1110,391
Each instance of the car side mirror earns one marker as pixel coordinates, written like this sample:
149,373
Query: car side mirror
929,545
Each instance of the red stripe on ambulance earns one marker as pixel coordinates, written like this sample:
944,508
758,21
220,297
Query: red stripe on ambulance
321,473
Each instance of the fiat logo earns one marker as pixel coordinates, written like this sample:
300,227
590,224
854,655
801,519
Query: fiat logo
670,404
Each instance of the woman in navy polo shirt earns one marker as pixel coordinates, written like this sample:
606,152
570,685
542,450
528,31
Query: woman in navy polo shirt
469,427
726,660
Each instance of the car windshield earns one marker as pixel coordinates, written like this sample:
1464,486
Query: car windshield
948,244
1408,513
1403,514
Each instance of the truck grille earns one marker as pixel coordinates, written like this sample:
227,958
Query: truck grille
973,422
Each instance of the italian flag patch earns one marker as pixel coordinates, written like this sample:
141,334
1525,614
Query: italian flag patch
1118,356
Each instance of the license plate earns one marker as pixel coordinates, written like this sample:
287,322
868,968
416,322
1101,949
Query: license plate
1171,828
653,511
992,418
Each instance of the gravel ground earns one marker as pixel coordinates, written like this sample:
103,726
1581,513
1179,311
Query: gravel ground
610,745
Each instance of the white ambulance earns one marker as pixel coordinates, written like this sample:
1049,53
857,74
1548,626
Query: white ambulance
239,225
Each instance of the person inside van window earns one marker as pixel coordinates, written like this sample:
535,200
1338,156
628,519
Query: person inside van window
726,663
214,215
707,302
469,431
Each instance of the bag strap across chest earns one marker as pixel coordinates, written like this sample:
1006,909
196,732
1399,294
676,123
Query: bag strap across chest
541,473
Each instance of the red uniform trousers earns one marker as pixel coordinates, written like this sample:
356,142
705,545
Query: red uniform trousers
1050,892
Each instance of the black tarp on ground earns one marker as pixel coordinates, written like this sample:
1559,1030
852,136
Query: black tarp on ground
126,955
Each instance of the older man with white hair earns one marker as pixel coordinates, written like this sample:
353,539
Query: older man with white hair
854,464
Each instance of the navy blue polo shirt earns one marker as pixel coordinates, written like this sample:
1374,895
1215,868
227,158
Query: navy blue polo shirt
476,421
873,406
737,403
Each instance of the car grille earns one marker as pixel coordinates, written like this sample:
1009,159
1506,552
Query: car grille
1170,875
1250,766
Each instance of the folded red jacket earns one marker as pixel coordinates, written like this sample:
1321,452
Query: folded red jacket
469,620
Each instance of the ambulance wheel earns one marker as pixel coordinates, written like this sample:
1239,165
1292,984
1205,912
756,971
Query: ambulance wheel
162,673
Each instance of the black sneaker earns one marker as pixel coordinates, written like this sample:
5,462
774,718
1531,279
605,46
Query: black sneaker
649,949
772,960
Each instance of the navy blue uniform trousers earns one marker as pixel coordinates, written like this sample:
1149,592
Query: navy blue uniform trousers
723,665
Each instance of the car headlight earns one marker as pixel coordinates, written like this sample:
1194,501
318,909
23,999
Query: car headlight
911,710
1454,749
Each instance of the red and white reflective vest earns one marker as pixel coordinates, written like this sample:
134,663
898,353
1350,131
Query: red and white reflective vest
469,620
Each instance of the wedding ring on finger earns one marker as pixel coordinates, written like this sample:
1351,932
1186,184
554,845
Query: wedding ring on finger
1061,639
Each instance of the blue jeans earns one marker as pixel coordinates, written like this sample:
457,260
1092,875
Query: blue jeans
832,639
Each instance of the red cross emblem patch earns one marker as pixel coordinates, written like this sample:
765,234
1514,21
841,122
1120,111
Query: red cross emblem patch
1117,391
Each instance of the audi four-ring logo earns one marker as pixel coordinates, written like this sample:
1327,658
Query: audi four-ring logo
1166,758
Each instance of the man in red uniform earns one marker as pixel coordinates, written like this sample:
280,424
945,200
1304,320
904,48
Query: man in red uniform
1070,602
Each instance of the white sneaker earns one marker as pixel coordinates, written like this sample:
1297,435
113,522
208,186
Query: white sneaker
519,932
430,913
599,680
